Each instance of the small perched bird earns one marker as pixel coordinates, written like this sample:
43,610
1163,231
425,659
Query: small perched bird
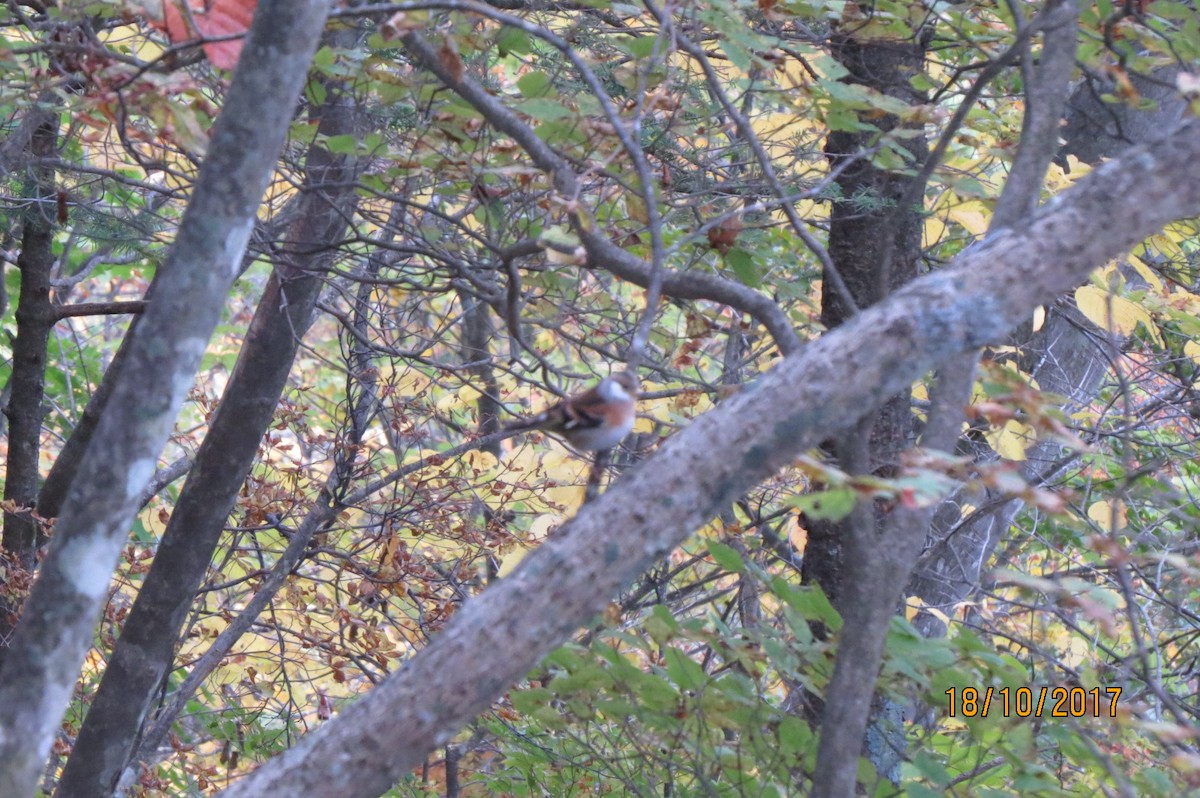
597,419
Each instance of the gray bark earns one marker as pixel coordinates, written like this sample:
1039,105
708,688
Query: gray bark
1065,356
35,320
1096,129
56,627
146,647
569,580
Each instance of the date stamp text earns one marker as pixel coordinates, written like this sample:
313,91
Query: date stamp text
1036,702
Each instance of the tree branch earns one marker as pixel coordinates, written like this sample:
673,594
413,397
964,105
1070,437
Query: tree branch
132,306
602,252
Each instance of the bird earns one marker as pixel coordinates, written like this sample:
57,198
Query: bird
591,421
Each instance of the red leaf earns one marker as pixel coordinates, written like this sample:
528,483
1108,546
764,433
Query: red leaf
324,706
211,19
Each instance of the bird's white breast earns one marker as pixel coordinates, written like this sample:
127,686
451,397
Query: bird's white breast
613,391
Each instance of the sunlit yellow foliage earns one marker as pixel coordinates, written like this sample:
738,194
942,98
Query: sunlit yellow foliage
1109,515
1111,312
1011,440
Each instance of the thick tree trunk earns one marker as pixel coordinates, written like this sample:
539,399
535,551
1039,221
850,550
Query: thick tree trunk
875,245
35,320
879,550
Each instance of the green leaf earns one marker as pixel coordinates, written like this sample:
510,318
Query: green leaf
593,677
810,602
829,505
726,556
931,768
656,694
345,144
1157,782
544,109
302,132
661,625
843,119
567,656
513,41
794,735
739,56
534,84
742,264
683,670
530,700
638,46
829,67
315,91
558,236
324,57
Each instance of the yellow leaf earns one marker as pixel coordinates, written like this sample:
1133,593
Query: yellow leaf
1011,440
1077,651
915,604
460,398
1192,350
1147,274
410,383
935,230
973,216
812,210
635,208
797,534
1104,512
1111,312
484,461
511,560
1057,178
1039,317
389,549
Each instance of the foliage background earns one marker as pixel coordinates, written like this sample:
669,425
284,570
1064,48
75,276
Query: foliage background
456,286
